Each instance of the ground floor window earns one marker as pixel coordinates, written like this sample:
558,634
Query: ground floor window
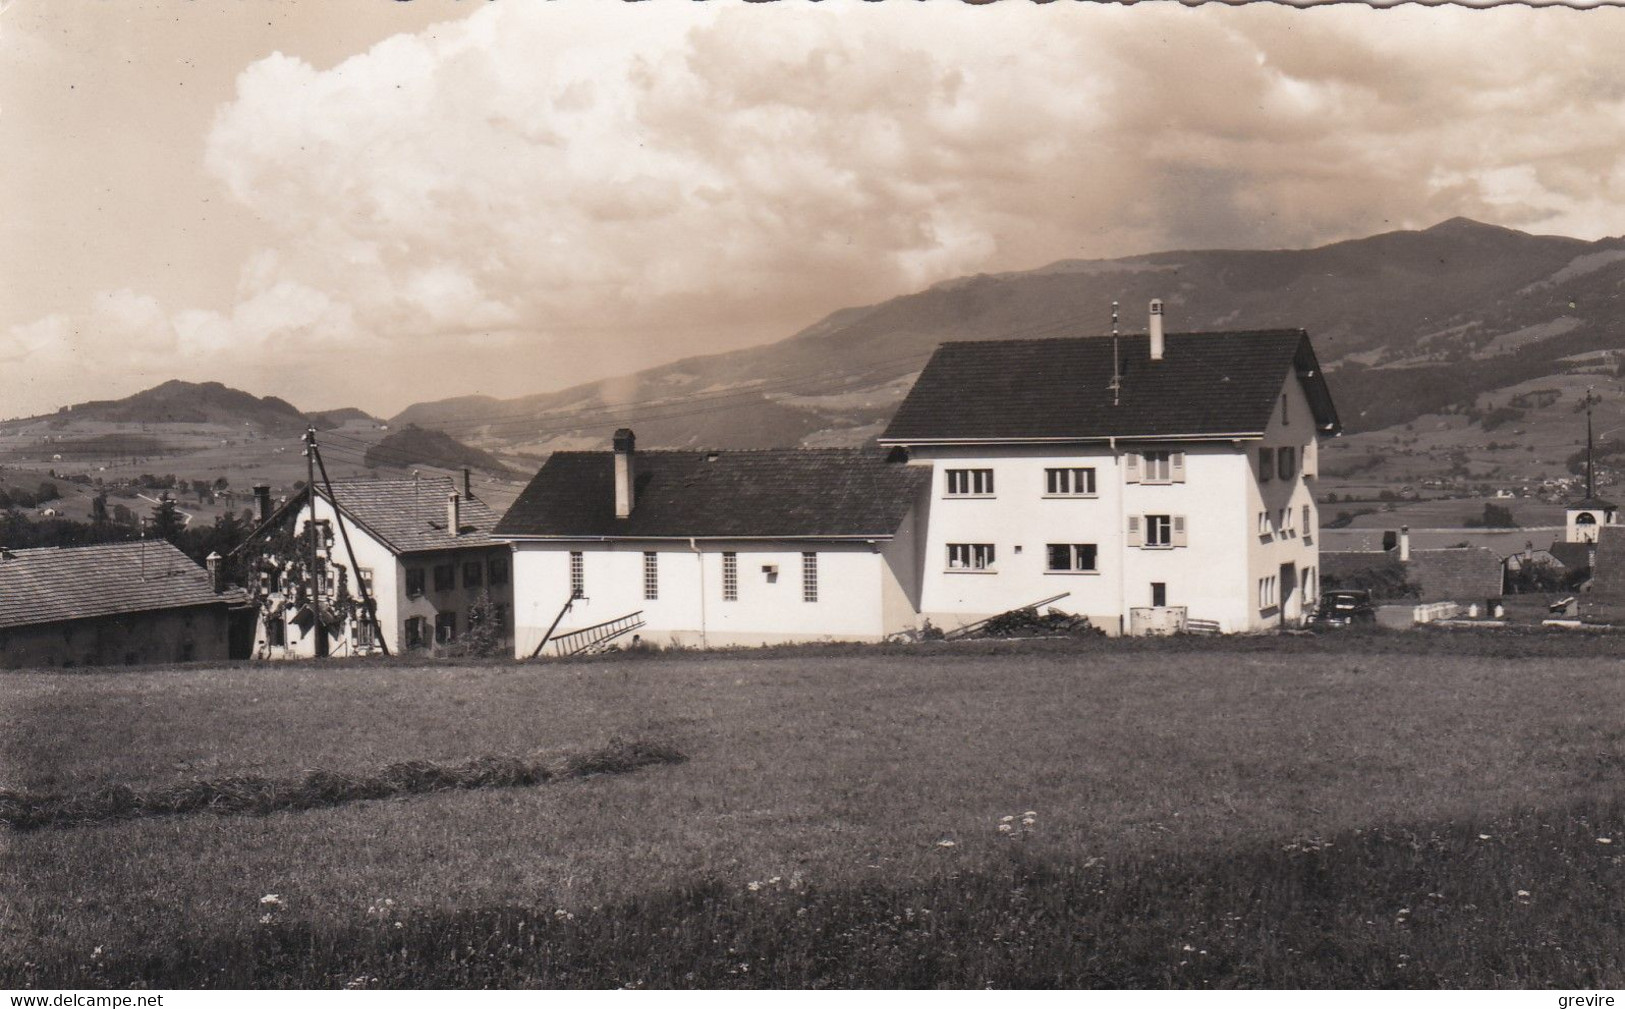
651,575
730,577
363,631
445,627
809,578
970,556
1072,556
1267,588
1159,594
578,575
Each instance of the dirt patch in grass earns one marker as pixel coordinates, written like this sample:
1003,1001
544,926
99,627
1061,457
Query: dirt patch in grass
320,788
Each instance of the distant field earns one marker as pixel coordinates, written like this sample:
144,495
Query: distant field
1257,812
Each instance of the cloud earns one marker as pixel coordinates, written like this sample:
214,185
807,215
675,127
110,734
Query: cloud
540,193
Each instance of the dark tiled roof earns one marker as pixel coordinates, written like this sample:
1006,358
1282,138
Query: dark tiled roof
54,584
748,494
1456,574
1205,384
1573,556
410,515
1593,504
1451,574
1608,576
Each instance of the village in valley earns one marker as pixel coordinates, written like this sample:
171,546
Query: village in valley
707,496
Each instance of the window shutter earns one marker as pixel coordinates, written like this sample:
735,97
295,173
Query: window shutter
1176,465
1131,460
1179,530
1135,536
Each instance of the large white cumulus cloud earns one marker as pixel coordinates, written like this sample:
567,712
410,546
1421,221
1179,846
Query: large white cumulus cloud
597,187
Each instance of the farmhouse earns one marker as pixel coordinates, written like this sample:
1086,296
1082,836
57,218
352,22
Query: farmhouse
1152,481
716,548
422,553
111,604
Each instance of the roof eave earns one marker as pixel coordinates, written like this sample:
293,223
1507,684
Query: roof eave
1074,439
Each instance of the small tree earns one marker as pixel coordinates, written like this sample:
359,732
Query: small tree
484,637
166,519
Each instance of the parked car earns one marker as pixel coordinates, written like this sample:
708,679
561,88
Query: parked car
1342,607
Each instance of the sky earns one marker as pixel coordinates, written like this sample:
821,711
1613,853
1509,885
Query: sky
373,203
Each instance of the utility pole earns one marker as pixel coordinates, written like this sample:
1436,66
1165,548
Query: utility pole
1591,490
317,627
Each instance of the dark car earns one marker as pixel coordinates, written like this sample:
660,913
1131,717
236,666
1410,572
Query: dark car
1342,607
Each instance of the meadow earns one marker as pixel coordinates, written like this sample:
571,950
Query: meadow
1429,809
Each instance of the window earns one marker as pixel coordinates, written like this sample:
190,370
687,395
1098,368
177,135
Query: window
578,577
651,575
499,571
445,627
363,631
414,582
1311,584
809,577
1072,557
1266,464
1158,467
473,574
1266,592
1308,522
276,632
1284,420
417,632
1159,531
499,615
1286,462
730,576
970,482
1076,482
1264,524
970,556
1287,531
364,575
1159,594
445,577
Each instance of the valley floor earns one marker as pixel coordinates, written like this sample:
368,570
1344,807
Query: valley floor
1387,810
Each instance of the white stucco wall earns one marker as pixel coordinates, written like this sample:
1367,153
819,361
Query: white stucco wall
690,609
1214,575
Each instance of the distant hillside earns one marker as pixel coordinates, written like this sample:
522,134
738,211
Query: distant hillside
177,402
416,446
1407,323
326,420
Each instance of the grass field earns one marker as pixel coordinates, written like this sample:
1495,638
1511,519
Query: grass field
1394,810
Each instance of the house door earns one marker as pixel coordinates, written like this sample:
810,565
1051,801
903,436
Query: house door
321,640
1289,589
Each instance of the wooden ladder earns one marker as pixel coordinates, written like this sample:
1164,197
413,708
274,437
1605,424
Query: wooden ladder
596,637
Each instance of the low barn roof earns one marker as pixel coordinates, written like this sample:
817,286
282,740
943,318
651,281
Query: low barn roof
1455,574
1205,384
54,584
765,494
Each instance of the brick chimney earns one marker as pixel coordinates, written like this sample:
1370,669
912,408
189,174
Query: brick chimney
454,514
625,472
262,493
217,571
1156,329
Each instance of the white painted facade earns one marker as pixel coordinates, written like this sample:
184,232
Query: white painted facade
1216,564
387,572
1582,525
865,589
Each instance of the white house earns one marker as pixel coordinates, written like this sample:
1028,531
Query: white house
424,552
1147,482
716,548
1152,479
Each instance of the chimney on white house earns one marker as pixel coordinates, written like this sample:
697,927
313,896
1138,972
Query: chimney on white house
1404,544
625,472
454,513
217,573
1156,329
262,494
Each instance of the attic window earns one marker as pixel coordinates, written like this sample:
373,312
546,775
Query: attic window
712,456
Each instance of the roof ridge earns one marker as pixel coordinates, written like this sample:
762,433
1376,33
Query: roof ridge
1283,331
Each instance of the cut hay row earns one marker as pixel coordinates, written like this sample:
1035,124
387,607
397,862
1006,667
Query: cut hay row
318,788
